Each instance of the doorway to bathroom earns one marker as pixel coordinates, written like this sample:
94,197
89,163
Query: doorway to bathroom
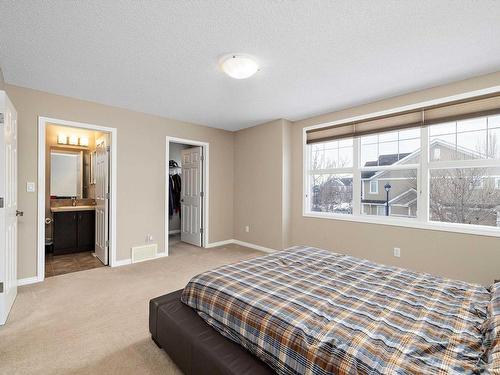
76,209
186,193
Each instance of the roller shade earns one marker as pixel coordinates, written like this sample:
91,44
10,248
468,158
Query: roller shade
452,111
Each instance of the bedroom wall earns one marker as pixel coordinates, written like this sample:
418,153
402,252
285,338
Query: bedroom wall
460,256
259,183
141,169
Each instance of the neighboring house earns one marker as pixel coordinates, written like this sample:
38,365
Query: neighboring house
402,195
456,195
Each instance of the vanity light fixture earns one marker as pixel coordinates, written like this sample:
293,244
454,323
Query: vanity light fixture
239,66
73,140
84,141
62,139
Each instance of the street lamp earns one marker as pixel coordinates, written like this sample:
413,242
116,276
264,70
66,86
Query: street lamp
387,187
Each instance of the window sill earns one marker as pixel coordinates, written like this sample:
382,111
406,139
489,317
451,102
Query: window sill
478,230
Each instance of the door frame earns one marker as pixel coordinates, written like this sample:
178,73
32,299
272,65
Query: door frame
205,176
42,126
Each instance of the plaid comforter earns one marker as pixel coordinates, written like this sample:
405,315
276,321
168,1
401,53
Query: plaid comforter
311,311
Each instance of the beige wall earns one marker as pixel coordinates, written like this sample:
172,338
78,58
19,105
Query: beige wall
141,169
259,178
466,257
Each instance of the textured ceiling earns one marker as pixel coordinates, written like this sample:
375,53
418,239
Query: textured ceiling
160,57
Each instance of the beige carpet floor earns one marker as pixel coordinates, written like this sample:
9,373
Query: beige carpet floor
96,321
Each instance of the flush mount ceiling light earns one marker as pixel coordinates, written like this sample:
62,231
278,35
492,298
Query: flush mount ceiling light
239,66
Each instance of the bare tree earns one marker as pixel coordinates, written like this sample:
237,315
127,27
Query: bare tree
466,195
329,191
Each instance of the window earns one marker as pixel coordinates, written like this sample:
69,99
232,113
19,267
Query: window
456,181
374,187
391,161
464,195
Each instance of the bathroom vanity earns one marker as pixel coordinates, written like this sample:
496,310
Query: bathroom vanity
73,229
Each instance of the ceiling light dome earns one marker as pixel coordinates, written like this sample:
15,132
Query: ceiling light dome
239,66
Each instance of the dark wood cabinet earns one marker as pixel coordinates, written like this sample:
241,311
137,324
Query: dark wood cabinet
74,231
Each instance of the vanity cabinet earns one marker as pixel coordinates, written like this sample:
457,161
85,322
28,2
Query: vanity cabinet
74,231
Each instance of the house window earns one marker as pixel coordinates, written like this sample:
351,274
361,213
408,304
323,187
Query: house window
456,182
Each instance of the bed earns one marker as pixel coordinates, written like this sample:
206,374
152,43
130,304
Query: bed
310,311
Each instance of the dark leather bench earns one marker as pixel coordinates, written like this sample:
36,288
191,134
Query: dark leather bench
194,346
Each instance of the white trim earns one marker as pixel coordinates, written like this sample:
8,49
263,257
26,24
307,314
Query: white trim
42,125
175,231
400,195
220,243
28,281
242,243
374,191
122,262
254,246
206,176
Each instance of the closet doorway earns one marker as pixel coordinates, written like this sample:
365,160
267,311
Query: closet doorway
186,187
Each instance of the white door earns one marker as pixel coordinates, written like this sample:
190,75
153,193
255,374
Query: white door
191,195
101,174
8,206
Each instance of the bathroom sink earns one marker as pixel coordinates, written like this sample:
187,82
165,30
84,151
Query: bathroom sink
72,208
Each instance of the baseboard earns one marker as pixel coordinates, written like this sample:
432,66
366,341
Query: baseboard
220,243
125,262
175,231
241,243
122,262
28,280
254,246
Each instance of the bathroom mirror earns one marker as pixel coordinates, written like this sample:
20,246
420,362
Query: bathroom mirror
66,174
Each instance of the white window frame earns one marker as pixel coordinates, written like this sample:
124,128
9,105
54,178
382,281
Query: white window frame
374,191
423,171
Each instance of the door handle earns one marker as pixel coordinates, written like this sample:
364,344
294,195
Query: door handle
182,199
19,213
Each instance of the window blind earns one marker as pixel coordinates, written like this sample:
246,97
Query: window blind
452,111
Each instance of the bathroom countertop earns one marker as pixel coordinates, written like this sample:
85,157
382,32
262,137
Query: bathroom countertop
72,208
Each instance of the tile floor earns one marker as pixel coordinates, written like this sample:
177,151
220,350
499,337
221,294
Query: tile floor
61,264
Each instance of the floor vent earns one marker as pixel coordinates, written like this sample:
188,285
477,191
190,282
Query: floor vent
145,252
